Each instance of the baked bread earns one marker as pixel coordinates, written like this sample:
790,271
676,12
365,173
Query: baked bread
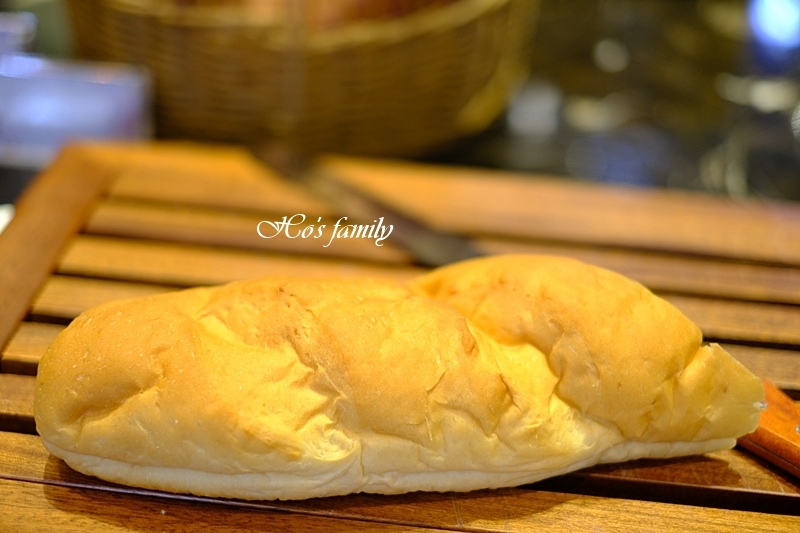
492,372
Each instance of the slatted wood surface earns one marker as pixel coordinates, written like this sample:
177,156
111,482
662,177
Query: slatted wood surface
106,222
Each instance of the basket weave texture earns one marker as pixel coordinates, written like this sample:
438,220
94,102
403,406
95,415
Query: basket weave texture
396,87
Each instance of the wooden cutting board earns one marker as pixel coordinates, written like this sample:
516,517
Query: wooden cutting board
112,221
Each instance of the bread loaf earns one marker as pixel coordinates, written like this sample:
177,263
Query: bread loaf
492,372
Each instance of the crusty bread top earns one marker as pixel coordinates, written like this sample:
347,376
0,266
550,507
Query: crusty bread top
490,372
620,353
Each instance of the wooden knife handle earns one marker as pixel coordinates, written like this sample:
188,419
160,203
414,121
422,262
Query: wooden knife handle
777,438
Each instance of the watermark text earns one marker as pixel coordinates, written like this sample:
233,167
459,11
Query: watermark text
297,227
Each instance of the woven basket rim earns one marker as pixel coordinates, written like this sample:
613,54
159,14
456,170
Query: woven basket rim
437,19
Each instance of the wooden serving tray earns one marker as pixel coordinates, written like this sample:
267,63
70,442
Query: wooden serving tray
112,221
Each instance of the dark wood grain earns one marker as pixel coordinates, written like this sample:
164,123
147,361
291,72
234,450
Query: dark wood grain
22,353
51,209
16,403
733,479
742,321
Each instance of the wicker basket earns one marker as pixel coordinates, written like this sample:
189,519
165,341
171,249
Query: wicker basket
396,87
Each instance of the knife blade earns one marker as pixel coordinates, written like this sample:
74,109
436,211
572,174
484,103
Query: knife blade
430,247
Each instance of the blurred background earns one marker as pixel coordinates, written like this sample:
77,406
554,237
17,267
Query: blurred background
684,94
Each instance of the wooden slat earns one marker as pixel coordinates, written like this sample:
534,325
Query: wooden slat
187,265
22,354
52,208
16,403
674,272
732,470
68,296
210,176
730,479
479,202
23,459
742,321
231,228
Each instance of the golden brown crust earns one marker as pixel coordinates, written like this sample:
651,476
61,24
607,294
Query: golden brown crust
491,372
620,353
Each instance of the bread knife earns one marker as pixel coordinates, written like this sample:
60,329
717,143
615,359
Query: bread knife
777,438
428,246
